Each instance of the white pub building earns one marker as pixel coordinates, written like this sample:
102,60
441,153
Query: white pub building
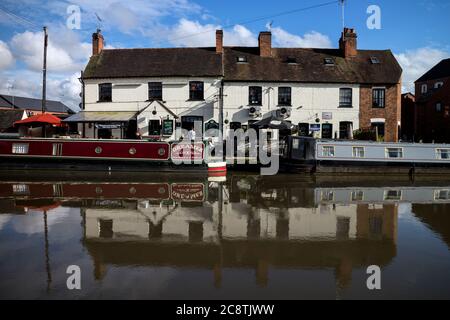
149,92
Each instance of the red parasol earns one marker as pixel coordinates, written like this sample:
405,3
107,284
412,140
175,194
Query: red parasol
43,118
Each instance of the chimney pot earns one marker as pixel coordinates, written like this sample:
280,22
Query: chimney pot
265,44
348,43
219,41
97,42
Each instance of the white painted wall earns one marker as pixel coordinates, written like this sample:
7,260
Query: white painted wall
309,101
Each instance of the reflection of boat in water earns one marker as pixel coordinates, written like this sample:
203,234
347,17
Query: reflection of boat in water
247,222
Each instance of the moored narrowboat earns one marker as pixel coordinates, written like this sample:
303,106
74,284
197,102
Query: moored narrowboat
105,155
354,156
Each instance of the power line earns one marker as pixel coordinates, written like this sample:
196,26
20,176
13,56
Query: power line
262,18
20,20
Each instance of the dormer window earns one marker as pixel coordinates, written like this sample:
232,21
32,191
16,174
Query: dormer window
328,61
241,59
291,60
375,60
439,84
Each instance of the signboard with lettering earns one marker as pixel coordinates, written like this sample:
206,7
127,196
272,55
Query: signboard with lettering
327,115
185,151
315,127
167,127
188,192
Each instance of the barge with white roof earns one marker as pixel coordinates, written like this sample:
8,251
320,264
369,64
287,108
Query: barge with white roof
354,156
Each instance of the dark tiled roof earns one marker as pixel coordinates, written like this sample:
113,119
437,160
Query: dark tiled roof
123,63
8,117
439,71
309,66
24,103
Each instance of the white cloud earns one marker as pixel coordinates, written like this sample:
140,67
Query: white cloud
194,34
65,52
417,62
6,57
313,39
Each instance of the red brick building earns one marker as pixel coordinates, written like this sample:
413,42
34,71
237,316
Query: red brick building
432,111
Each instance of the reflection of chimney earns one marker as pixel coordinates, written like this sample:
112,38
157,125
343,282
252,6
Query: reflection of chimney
348,44
97,42
219,41
265,44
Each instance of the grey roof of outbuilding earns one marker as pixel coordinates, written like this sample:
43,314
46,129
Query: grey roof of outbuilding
203,62
8,117
439,71
24,103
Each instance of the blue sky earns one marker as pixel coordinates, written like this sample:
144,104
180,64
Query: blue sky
415,30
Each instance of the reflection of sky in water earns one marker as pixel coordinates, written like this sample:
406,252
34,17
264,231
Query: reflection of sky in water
415,254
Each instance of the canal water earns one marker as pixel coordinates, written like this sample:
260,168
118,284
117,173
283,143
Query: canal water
249,237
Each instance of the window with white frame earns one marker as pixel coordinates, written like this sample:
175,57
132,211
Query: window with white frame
438,107
394,153
443,154
358,195
327,195
358,152
395,195
424,88
441,194
20,148
328,151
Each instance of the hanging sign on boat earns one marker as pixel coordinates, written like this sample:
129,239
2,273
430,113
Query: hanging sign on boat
187,151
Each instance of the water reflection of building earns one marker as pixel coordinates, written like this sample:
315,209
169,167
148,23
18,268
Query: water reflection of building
247,222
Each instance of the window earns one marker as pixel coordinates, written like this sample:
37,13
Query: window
358,152
105,228
105,92
327,131
394,153
345,97
424,88
255,96
327,151
439,84
21,189
291,60
328,61
57,149
196,90
438,107
241,59
167,127
379,128
155,91
327,195
20,148
378,98
345,129
154,128
357,195
393,195
374,60
443,154
441,194
284,96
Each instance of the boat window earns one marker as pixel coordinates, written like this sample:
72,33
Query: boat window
20,148
358,195
21,189
394,153
328,151
443,154
393,195
442,195
327,196
358,152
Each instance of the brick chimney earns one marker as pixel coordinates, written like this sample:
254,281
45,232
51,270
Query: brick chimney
265,44
219,41
347,43
97,42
